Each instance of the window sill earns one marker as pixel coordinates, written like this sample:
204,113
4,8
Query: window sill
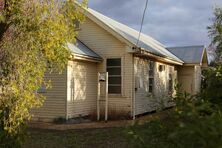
116,96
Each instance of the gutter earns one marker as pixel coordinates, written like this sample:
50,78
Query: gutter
143,52
86,58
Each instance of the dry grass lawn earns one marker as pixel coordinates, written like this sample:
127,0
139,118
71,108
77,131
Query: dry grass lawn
89,138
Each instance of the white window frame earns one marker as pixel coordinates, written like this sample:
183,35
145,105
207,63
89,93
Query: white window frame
121,76
151,77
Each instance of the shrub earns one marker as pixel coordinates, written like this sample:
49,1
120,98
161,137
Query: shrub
212,85
195,121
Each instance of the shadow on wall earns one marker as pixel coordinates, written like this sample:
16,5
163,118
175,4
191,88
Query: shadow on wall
162,94
83,85
78,84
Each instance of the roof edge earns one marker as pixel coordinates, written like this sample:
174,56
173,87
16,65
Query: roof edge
107,28
203,51
163,59
186,46
85,58
117,35
202,57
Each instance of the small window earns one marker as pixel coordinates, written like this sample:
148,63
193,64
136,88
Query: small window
151,76
161,68
41,90
77,24
115,79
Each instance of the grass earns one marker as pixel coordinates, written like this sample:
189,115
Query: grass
135,136
89,138
155,134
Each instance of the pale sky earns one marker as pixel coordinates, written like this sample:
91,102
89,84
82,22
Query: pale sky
172,22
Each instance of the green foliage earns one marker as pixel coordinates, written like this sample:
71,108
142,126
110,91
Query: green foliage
33,38
212,85
215,32
195,121
193,125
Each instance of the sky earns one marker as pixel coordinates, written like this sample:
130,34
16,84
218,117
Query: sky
172,22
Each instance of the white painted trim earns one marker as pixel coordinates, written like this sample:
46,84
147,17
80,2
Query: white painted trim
122,70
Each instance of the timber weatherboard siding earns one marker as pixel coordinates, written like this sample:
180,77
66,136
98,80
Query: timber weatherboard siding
145,101
107,46
54,105
82,88
186,78
74,92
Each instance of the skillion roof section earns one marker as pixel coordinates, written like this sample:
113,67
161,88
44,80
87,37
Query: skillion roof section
80,49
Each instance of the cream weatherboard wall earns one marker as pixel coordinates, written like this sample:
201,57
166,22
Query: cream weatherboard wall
82,88
197,78
145,101
107,46
55,102
190,78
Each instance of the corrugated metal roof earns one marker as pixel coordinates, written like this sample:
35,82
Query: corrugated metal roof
146,42
189,54
82,49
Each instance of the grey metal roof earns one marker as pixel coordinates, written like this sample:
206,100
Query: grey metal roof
82,49
189,54
146,42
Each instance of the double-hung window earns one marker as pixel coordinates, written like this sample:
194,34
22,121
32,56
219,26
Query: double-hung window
151,76
170,84
115,79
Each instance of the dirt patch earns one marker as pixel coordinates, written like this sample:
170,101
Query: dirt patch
97,125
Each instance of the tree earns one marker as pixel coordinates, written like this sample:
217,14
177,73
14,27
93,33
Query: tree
215,32
33,38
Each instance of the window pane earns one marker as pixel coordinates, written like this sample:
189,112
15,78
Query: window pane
151,68
151,72
170,85
115,80
114,90
42,90
150,89
151,81
114,71
151,65
114,62
151,75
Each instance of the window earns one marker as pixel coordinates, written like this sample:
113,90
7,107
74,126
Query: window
170,84
151,76
161,68
41,90
77,24
115,79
